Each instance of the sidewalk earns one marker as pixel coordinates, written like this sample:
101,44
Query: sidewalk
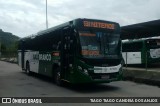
11,60
150,76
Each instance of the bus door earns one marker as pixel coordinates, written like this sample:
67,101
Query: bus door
65,51
22,59
22,54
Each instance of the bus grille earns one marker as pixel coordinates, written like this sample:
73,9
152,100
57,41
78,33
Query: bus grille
104,76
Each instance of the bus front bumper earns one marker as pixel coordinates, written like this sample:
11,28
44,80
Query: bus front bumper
80,77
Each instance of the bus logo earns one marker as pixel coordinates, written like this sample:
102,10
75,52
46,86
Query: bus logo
45,57
6,100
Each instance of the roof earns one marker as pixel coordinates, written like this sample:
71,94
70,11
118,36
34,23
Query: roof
141,30
140,40
69,23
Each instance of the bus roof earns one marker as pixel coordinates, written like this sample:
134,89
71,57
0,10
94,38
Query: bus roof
70,23
140,40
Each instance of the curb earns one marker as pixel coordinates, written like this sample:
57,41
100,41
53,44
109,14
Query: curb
10,60
142,76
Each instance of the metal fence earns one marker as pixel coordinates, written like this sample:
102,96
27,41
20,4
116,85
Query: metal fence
10,56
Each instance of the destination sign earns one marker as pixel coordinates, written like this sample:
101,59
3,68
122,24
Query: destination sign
98,25
87,34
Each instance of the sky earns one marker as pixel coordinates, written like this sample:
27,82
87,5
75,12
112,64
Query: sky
26,17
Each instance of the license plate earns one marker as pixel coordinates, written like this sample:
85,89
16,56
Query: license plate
105,76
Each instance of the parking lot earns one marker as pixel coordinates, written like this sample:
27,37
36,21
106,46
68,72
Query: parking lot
15,83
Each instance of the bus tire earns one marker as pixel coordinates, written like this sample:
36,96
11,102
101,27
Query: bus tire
28,69
57,78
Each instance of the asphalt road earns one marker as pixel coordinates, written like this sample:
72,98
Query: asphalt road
14,82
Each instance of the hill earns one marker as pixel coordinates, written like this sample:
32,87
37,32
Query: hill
8,40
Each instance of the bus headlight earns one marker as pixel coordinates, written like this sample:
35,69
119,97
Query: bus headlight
80,68
70,65
85,71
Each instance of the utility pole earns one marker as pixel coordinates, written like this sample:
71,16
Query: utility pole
0,46
46,16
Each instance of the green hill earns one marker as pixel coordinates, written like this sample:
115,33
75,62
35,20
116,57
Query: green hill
8,41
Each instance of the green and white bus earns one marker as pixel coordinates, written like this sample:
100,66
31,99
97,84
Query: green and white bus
79,51
141,51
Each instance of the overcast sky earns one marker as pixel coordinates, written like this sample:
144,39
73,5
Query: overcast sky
25,17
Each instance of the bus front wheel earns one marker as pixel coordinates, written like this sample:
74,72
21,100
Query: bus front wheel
28,69
57,77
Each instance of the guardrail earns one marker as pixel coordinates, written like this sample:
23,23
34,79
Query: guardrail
11,60
141,73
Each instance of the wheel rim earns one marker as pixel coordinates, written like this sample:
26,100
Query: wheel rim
58,78
27,70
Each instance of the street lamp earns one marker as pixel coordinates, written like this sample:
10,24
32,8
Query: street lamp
46,16
0,46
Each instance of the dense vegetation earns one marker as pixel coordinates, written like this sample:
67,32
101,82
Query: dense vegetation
8,43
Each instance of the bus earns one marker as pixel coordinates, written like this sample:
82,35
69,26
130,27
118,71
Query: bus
78,51
141,51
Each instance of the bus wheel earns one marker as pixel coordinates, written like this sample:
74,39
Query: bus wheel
57,78
28,69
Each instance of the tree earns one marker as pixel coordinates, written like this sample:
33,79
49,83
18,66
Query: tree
3,47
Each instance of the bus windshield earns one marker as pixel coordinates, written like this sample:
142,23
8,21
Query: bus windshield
153,43
99,44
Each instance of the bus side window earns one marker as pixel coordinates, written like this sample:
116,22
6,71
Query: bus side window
127,47
138,46
132,47
58,46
